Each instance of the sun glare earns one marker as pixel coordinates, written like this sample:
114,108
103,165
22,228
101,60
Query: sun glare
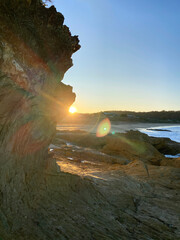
72,109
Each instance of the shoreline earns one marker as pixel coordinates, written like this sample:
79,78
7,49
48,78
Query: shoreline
120,126
174,136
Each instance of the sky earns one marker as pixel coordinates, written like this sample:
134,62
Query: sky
129,57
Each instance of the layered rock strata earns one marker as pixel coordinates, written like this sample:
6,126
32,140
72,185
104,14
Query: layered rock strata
35,52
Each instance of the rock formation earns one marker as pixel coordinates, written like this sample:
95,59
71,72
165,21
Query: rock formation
35,52
166,145
37,201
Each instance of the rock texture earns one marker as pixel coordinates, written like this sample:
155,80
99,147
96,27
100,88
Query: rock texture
35,52
166,145
37,201
133,145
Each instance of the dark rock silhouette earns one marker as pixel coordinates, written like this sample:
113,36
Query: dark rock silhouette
158,130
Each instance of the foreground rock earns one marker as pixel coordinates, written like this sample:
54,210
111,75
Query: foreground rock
35,52
129,146
91,201
37,201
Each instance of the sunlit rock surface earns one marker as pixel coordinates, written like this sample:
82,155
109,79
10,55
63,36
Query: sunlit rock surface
102,200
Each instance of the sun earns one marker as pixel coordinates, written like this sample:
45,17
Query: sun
72,110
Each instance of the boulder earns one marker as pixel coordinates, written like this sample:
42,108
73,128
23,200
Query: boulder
165,145
133,146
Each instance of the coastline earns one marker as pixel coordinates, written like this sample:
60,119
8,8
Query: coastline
163,138
115,126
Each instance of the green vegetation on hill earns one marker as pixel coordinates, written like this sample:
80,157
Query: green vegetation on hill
153,116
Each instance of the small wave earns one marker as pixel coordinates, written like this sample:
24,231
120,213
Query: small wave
173,156
172,132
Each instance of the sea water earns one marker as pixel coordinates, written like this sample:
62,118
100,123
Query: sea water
172,132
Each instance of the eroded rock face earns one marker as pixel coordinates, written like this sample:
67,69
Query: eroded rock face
35,52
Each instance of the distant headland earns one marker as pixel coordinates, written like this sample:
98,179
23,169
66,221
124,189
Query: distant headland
126,116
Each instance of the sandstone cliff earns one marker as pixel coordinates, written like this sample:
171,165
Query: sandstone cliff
35,52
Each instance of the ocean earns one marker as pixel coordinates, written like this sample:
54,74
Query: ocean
151,129
172,132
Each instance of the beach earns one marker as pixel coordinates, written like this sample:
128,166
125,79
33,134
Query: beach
122,127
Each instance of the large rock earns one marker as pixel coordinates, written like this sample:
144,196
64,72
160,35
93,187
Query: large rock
35,52
165,145
133,145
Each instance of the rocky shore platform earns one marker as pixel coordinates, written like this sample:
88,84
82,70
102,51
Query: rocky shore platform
120,188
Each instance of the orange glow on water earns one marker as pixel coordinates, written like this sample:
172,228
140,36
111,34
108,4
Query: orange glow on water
104,128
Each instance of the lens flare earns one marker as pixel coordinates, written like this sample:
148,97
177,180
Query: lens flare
103,128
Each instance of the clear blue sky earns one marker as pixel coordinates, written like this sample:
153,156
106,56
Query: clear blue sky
130,54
